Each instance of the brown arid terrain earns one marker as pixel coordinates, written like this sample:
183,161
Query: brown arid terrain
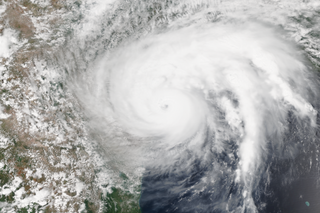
44,166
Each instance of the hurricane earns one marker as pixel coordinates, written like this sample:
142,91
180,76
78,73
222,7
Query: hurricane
213,110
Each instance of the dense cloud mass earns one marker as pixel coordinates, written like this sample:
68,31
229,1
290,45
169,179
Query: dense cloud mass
208,108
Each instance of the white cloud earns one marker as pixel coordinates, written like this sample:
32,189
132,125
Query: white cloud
6,40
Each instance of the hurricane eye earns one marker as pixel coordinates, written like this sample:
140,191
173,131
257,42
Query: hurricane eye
213,98
165,106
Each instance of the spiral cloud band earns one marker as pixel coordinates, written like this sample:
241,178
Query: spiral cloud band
192,91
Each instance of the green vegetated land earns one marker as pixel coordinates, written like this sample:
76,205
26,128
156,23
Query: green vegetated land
120,201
